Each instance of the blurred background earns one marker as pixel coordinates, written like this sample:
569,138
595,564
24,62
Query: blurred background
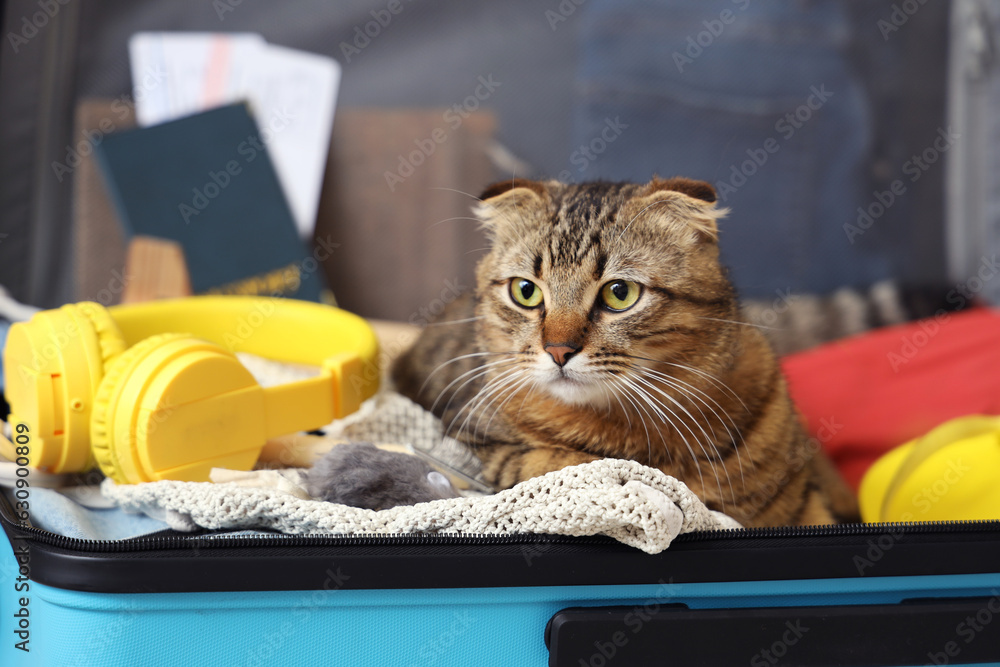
855,142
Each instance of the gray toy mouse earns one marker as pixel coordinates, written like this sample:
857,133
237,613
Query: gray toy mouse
362,475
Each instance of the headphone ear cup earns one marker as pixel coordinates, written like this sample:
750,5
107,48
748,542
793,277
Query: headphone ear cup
53,365
110,344
110,341
107,451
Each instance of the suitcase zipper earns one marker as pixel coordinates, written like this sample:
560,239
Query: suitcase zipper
169,539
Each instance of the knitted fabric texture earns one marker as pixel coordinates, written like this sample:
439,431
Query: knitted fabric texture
634,504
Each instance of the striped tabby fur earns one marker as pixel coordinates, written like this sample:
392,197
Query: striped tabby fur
677,381
793,322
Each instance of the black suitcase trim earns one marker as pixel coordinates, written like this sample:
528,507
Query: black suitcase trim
172,562
909,633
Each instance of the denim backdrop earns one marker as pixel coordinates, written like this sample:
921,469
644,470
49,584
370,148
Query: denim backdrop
566,67
775,103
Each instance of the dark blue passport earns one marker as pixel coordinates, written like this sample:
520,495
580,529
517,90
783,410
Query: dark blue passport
206,181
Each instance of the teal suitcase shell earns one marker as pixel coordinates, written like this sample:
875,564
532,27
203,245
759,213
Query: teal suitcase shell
889,594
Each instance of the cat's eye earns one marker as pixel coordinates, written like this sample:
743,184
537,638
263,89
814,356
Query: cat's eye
619,295
525,293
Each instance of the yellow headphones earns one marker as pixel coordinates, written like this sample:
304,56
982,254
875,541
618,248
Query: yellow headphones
949,474
107,385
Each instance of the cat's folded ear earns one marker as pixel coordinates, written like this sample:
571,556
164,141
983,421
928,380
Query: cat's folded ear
684,201
512,186
510,203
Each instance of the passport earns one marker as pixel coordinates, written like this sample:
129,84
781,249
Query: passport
206,181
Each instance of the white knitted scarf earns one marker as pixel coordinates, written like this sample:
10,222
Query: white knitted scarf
634,504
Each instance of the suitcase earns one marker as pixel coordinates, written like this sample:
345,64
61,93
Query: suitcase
873,594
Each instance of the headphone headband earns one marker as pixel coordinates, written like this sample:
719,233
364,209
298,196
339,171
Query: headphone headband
288,330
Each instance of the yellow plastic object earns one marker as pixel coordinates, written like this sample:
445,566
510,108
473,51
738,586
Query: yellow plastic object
950,474
52,368
174,406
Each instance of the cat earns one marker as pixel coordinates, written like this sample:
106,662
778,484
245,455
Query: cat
603,325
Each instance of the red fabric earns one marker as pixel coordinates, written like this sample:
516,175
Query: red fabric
867,394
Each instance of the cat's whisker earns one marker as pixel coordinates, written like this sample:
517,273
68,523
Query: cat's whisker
607,385
457,217
490,399
463,321
708,439
485,394
688,391
513,392
746,324
641,398
485,368
459,358
607,398
482,372
461,192
642,420
508,385
534,384
729,433
659,201
723,386
697,371
670,378
659,408
684,423
469,406
471,403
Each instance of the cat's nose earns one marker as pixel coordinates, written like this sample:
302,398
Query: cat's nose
560,352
